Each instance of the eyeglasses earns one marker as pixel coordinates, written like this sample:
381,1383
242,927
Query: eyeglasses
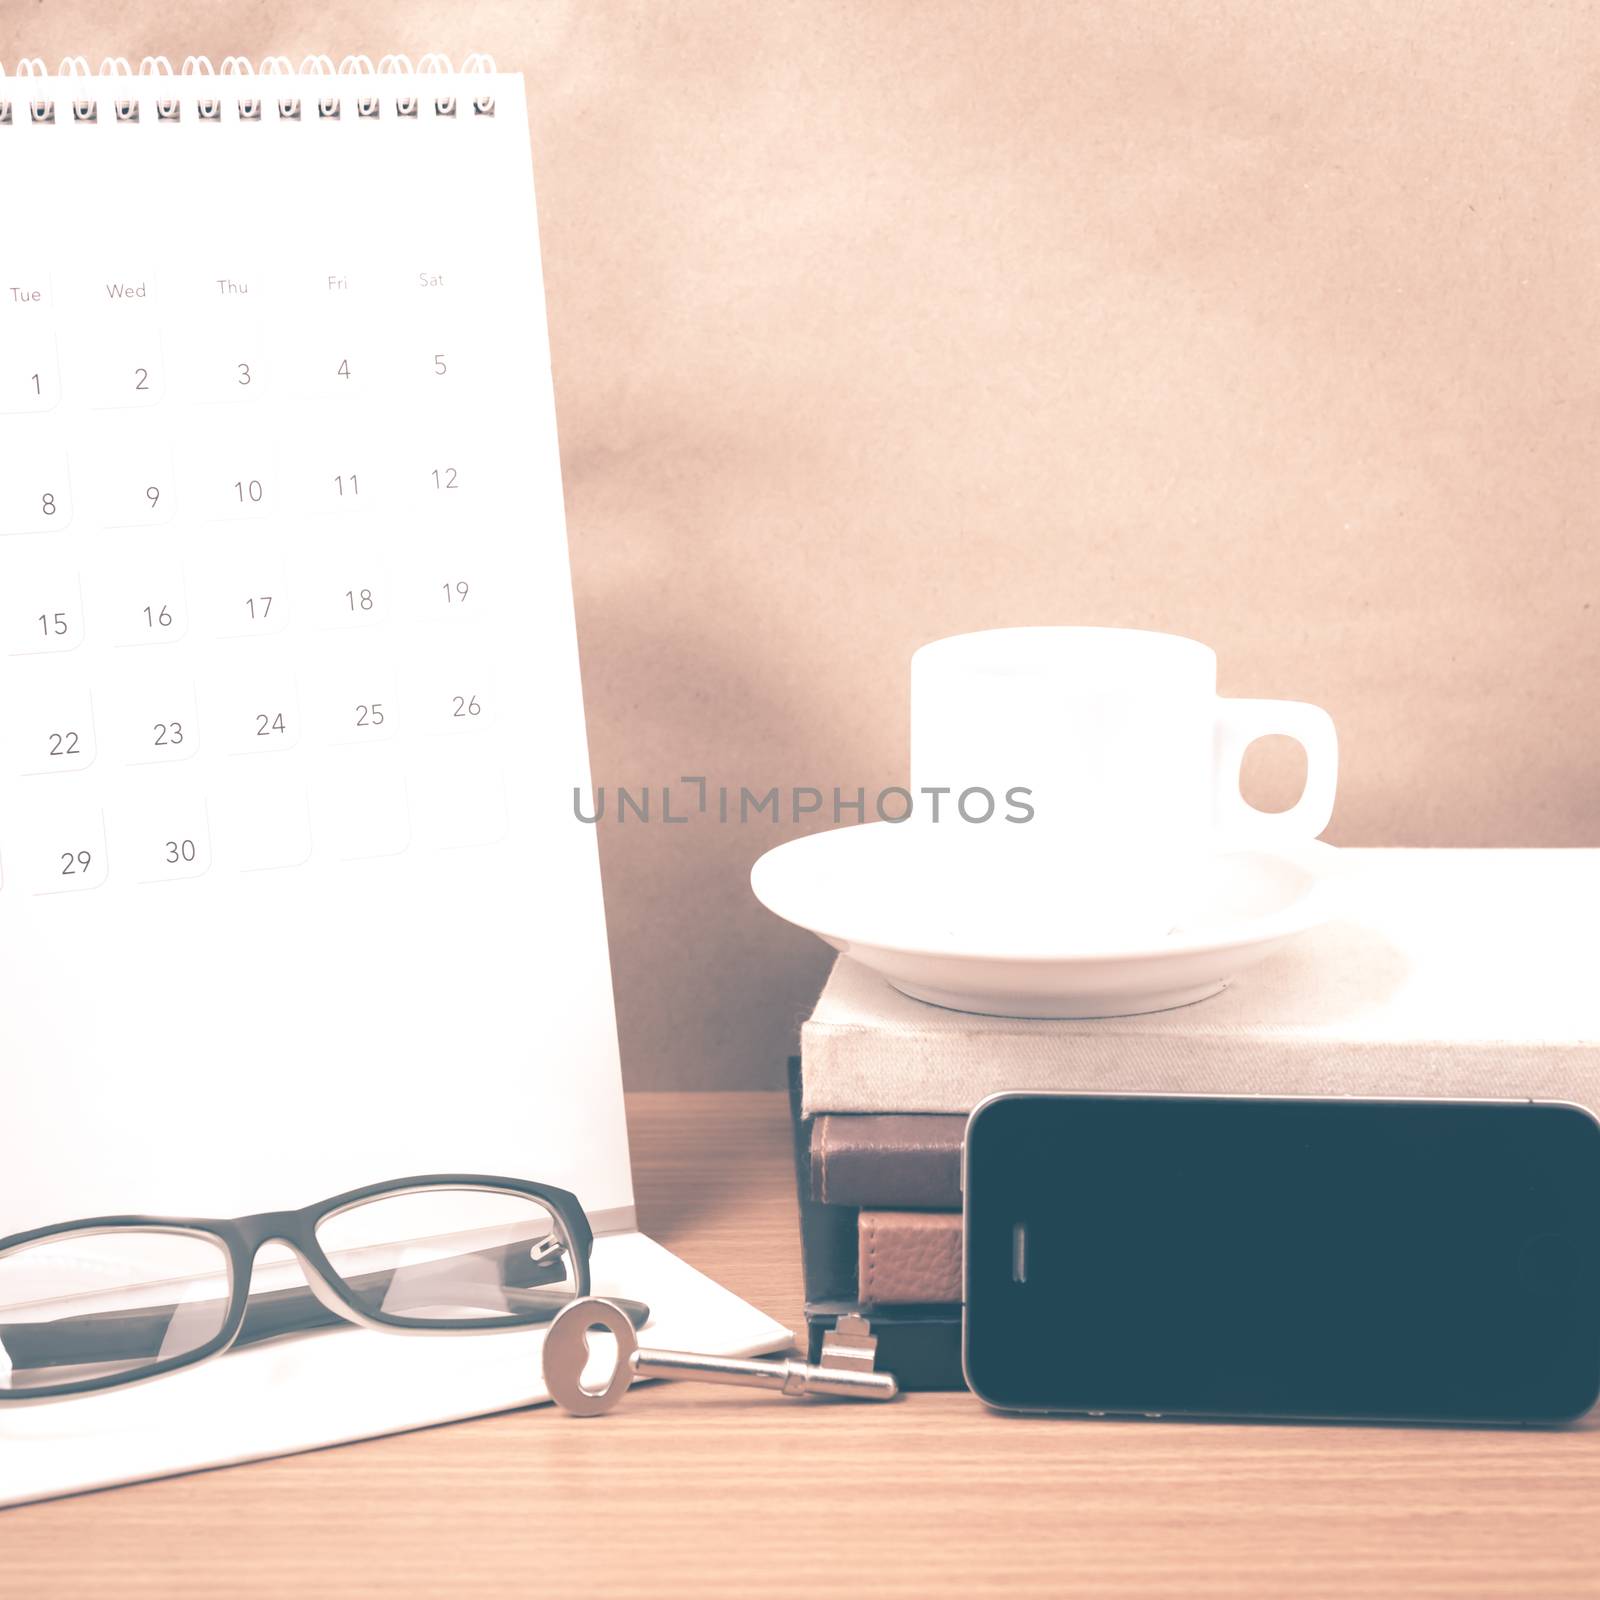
110,1301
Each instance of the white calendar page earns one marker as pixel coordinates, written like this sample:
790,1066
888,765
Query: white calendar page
291,896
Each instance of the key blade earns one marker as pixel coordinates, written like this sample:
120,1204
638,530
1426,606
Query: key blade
850,1343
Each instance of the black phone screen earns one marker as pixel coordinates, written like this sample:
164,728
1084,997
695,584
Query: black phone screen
1284,1258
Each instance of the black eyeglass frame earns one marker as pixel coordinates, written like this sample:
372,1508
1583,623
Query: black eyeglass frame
243,1237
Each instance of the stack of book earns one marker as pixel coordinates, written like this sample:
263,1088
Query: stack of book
880,1223
1463,973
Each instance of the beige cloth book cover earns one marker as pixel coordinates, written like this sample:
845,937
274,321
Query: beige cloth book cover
1453,972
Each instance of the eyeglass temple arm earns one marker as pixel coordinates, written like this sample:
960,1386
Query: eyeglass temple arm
138,1334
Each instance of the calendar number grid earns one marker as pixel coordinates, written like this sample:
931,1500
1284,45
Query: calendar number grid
248,599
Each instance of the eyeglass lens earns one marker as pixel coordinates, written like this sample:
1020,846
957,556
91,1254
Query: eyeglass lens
96,1305
449,1254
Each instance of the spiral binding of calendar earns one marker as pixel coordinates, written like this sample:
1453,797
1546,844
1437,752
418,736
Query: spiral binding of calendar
251,87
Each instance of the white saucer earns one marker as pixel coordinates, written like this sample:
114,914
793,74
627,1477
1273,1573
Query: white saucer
885,894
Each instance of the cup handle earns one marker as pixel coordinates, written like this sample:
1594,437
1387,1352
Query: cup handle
1239,723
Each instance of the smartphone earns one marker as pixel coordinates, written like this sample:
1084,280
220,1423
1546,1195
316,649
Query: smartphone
1331,1259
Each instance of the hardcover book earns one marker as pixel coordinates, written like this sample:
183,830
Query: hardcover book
887,1161
919,1344
1453,972
909,1258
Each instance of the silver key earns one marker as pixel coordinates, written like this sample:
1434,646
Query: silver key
566,1353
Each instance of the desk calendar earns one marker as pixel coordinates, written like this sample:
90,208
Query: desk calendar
291,893
290,713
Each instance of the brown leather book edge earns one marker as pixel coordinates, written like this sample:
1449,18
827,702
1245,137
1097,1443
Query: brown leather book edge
909,1257
886,1161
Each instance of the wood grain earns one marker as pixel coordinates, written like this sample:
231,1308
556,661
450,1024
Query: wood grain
702,1491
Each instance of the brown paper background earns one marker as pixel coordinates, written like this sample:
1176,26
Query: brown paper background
1271,323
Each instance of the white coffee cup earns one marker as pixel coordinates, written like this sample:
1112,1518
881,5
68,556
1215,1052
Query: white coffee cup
1129,760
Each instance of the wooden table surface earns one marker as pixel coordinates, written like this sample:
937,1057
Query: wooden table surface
695,1490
